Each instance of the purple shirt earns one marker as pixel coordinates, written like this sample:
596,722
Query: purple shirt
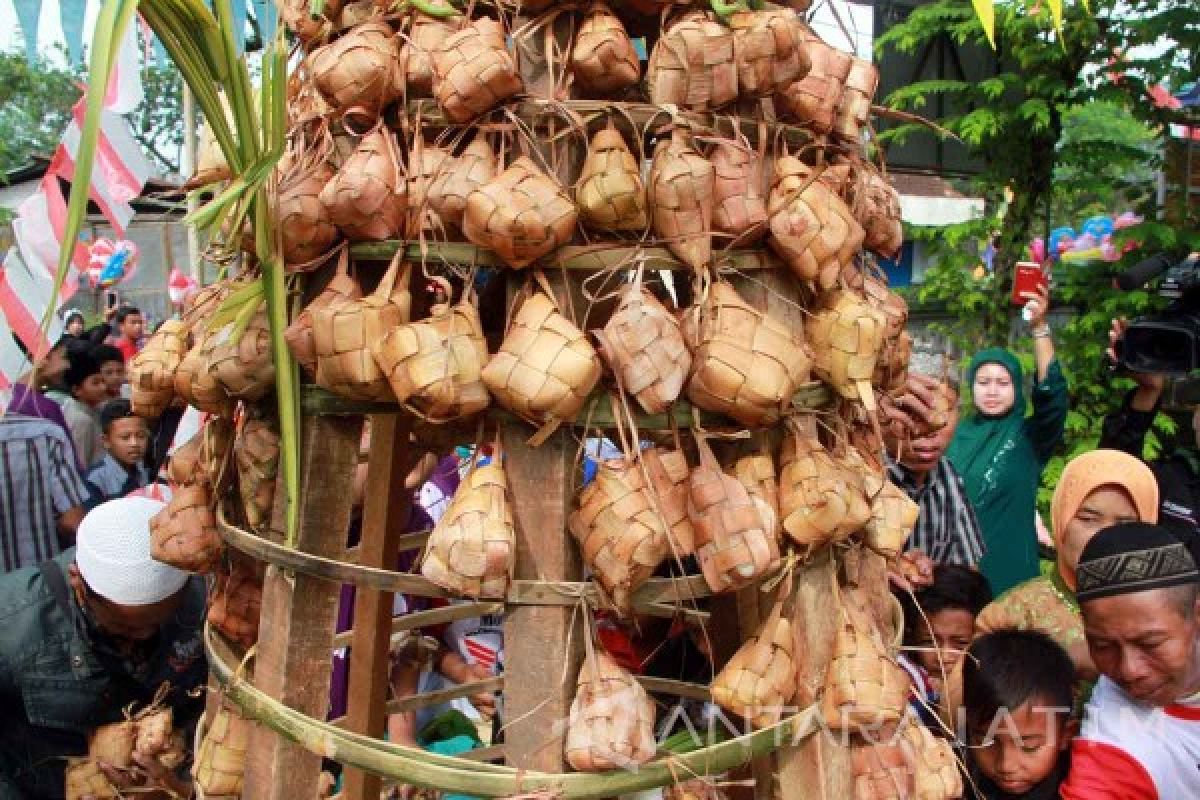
31,403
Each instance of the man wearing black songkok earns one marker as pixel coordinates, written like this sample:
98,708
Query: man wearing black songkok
1138,587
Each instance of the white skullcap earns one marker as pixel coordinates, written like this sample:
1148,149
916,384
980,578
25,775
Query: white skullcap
112,551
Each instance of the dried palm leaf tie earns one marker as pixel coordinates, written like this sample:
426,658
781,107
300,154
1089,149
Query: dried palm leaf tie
546,367
733,546
435,365
644,347
458,177
85,780
770,51
932,763
879,213
756,471
307,232
474,72
522,214
744,363
368,197
893,517
358,70
472,550
611,722
857,94
669,474
216,441
759,682
610,194
681,198
814,99
256,454
184,534
237,600
220,762
603,59
864,688
692,65
847,335
152,370
819,502
739,208
425,36
240,359
345,333
342,288
881,771
811,228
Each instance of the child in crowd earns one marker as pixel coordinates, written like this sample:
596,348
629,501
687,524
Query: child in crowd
1017,693
939,621
131,325
85,385
121,470
112,367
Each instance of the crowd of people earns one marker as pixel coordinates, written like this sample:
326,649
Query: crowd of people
1071,671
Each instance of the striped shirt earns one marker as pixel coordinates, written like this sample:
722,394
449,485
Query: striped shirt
40,482
947,529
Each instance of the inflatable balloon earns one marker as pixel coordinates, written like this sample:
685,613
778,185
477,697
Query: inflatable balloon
1097,226
111,262
1060,241
179,286
1037,250
1126,219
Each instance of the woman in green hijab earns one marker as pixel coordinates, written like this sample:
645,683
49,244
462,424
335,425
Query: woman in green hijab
1000,452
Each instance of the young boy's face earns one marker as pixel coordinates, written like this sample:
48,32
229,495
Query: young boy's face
1019,749
132,326
949,631
93,391
127,440
114,377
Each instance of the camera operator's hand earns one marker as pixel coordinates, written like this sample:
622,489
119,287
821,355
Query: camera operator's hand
1149,384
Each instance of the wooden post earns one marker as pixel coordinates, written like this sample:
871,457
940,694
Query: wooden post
296,627
385,512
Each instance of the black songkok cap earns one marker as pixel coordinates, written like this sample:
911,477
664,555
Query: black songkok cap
1134,557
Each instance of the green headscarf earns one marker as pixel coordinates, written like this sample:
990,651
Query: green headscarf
979,439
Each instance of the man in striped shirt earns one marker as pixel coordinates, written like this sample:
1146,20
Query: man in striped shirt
41,493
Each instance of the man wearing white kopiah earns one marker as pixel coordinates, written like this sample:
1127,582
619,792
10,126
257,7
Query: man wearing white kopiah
86,634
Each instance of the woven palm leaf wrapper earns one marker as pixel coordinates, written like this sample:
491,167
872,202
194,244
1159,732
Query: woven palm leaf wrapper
152,370
197,384
733,546
865,690
695,789
692,65
426,164
770,51
758,683
308,233
857,94
345,333
814,99
847,334
241,360
611,723
669,481
473,71
744,363
603,59
522,214
435,366
545,368
256,454
199,458
114,743
756,471
610,194
459,177
84,779
198,308
893,517
472,550
935,770
644,347
237,600
342,288
739,208
368,197
425,36
881,771
819,502
878,211
184,534
220,763
891,368
811,228
620,532
681,198
359,69
297,17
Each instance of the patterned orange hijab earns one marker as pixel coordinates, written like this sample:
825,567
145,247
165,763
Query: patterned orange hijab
1087,473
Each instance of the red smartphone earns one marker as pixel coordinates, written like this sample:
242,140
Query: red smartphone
1028,278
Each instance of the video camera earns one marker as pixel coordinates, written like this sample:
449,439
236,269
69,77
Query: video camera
1166,343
